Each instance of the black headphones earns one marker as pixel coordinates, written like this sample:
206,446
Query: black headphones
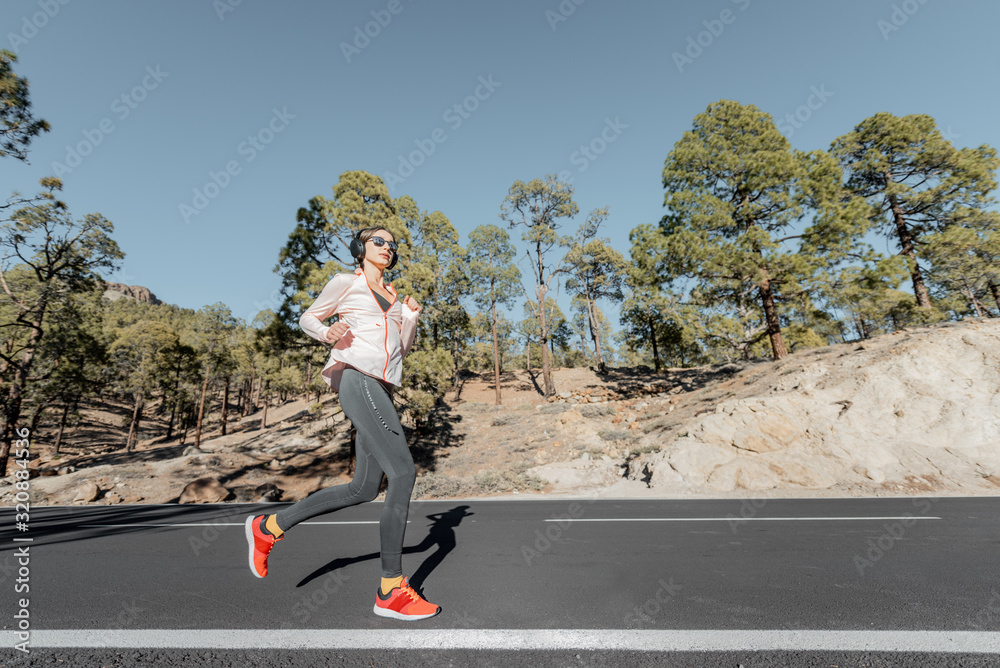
358,248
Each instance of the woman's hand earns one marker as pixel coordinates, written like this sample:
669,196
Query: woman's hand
336,331
411,303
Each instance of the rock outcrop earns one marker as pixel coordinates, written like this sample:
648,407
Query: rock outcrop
115,291
910,411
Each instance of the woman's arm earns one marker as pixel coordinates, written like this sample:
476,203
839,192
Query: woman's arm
311,321
408,330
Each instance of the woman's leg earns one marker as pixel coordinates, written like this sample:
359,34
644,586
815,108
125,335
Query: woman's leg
380,430
363,487
381,447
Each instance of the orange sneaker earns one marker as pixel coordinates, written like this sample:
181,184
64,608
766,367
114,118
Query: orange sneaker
404,603
260,541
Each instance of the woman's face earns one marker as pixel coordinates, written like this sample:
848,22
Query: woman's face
380,256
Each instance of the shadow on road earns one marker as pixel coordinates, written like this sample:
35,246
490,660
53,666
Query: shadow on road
440,534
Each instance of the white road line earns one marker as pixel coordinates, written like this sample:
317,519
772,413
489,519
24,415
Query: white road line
720,640
734,518
217,524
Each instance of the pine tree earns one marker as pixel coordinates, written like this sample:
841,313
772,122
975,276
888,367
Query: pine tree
916,183
493,279
537,206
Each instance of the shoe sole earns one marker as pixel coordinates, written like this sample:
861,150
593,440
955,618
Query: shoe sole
248,527
392,614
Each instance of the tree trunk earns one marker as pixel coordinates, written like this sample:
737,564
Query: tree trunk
540,290
173,413
62,426
652,341
595,332
971,294
36,418
16,393
201,407
225,406
771,317
995,290
496,354
546,372
455,370
133,430
906,243
263,418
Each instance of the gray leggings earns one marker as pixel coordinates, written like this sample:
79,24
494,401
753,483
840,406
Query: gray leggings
381,448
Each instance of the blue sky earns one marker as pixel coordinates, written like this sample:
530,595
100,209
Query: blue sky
287,96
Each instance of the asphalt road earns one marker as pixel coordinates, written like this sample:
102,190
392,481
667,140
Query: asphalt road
796,582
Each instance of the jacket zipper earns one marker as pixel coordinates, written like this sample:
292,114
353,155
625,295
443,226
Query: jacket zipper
385,326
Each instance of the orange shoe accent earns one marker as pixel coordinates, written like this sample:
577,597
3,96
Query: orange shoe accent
260,543
404,603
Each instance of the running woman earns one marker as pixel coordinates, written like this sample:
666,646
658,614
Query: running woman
373,334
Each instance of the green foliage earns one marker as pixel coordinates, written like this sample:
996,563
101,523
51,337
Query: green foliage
597,271
426,378
965,263
493,279
64,256
735,191
800,337
916,183
537,206
17,123
140,354
318,247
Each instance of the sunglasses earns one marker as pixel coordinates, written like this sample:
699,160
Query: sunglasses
379,242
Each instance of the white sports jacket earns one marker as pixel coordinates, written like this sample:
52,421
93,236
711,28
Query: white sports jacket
376,342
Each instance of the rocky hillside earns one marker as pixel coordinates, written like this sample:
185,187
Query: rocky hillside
115,291
914,412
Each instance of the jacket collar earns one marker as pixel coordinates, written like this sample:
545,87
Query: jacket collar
388,286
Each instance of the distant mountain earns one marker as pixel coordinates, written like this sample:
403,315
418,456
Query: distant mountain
115,291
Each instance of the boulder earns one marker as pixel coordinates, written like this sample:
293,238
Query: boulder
87,492
204,490
268,493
